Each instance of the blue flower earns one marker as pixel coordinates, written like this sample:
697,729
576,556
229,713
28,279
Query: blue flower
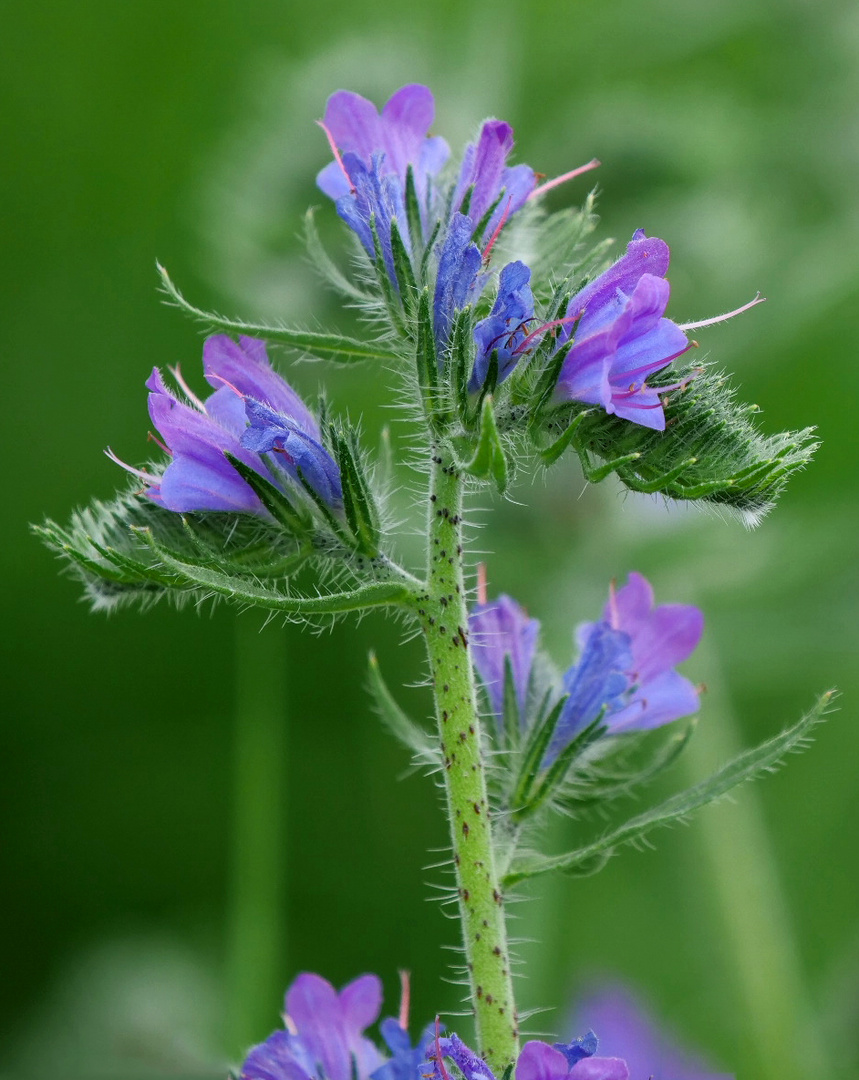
198,433
499,632
487,176
537,1061
626,666
505,328
459,281
376,200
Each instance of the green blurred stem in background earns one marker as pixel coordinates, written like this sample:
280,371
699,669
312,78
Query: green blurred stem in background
256,919
780,1039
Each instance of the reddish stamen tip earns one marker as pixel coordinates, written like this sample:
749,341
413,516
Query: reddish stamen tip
758,299
189,393
488,249
543,188
234,389
152,437
405,999
481,583
336,154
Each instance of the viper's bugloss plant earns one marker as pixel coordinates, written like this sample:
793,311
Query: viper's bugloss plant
512,345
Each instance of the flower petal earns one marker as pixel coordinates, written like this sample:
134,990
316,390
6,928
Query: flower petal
539,1061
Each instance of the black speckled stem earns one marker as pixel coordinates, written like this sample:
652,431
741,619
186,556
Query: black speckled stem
443,614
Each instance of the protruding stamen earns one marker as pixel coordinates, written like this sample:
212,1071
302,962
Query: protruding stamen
488,249
542,330
289,1024
439,1057
142,473
614,614
723,318
405,999
151,437
543,188
189,393
481,583
234,389
336,154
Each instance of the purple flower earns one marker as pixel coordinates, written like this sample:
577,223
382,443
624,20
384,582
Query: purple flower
459,280
197,434
627,1029
505,328
621,337
399,136
568,1061
660,638
500,630
325,1038
376,199
325,1033
537,1061
487,176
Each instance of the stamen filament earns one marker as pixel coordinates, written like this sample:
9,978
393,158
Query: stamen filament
336,154
488,249
723,318
543,188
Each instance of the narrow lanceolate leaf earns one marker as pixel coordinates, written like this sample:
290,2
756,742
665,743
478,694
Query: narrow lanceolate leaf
426,359
358,502
280,507
489,461
401,726
535,750
403,268
330,346
244,591
323,262
746,766
558,771
461,360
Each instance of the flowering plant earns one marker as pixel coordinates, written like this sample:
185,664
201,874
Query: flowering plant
506,360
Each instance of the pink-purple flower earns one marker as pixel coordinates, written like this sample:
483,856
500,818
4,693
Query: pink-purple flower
501,634
254,415
324,1037
576,1060
621,337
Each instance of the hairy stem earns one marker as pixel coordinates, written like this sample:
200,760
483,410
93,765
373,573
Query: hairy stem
443,614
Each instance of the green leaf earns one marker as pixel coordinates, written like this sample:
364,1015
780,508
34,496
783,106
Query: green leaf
426,360
358,502
535,749
331,346
293,519
558,771
746,766
403,268
489,461
328,270
400,725
551,454
242,591
711,448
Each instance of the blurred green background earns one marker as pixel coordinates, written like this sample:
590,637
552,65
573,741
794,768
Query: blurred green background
132,131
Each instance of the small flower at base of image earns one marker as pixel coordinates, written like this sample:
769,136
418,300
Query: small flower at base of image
625,671
576,1060
324,1037
252,412
626,1027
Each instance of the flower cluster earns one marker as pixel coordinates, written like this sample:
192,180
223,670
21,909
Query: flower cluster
625,670
324,1040
614,333
253,415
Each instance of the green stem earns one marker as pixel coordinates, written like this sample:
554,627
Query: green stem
443,614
